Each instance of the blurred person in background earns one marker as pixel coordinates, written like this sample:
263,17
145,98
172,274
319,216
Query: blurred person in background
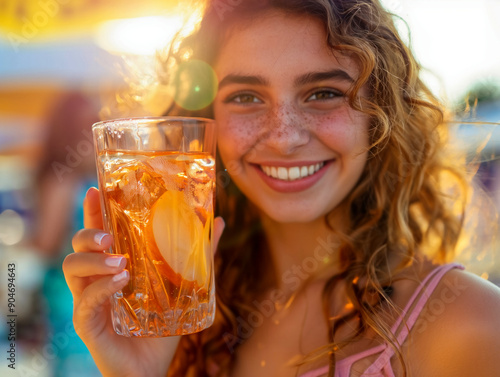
65,172
67,165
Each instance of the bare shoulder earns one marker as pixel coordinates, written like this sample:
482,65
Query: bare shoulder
477,300
458,332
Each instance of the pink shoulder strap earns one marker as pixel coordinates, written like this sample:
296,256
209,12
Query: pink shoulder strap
425,290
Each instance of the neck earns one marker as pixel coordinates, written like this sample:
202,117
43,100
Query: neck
302,251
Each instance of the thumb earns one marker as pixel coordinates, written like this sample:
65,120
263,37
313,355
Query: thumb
219,226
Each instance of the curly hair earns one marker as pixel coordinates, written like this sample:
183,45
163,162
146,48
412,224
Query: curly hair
410,199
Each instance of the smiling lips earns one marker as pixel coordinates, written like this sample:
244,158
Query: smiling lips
291,177
292,173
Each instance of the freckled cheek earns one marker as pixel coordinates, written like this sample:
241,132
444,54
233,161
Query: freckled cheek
236,136
345,133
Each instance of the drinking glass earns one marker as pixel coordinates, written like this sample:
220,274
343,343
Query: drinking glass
156,181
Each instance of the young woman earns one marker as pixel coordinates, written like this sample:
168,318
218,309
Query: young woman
340,217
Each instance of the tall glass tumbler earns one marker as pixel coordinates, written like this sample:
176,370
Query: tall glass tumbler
157,182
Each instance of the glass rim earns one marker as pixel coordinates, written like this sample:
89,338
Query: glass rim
152,119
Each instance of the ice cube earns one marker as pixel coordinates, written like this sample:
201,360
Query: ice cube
200,186
171,170
201,170
200,194
136,187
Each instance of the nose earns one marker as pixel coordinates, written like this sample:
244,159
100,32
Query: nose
285,130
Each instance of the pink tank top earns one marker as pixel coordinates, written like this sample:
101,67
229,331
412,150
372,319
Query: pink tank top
381,367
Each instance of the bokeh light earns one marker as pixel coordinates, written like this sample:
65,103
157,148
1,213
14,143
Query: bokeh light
11,227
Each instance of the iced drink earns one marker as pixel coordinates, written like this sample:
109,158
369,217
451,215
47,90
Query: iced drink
158,205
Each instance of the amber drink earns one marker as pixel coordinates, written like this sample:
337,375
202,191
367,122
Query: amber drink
157,180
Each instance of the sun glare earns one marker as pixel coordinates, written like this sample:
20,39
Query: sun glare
455,41
138,36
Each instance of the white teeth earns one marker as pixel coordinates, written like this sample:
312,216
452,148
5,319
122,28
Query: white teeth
304,172
283,173
293,173
274,172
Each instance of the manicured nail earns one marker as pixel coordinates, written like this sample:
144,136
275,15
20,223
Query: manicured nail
121,276
91,189
114,261
99,236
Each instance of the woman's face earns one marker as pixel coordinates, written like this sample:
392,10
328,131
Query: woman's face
286,132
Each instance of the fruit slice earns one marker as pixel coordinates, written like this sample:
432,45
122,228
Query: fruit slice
178,234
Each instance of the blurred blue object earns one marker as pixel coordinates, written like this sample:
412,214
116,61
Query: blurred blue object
73,358
75,61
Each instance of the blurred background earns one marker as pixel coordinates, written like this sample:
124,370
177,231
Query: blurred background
65,64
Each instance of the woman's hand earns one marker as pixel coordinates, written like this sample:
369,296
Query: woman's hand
93,276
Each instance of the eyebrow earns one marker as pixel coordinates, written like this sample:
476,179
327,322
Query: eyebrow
307,78
242,79
313,77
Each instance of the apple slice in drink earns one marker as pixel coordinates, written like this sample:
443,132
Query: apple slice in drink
179,236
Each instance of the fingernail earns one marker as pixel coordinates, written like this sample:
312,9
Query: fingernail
114,261
121,276
90,190
99,236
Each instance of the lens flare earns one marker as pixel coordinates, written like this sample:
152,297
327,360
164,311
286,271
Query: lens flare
194,85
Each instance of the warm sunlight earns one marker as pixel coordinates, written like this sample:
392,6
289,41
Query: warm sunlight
455,41
138,36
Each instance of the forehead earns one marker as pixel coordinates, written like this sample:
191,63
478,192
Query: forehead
277,42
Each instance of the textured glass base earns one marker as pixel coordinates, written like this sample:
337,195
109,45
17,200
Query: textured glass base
171,322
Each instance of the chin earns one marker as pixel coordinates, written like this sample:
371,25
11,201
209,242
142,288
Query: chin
293,216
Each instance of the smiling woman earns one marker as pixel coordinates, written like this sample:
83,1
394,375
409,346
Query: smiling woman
282,109
339,216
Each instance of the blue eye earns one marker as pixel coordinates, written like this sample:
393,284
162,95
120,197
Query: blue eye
324,95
